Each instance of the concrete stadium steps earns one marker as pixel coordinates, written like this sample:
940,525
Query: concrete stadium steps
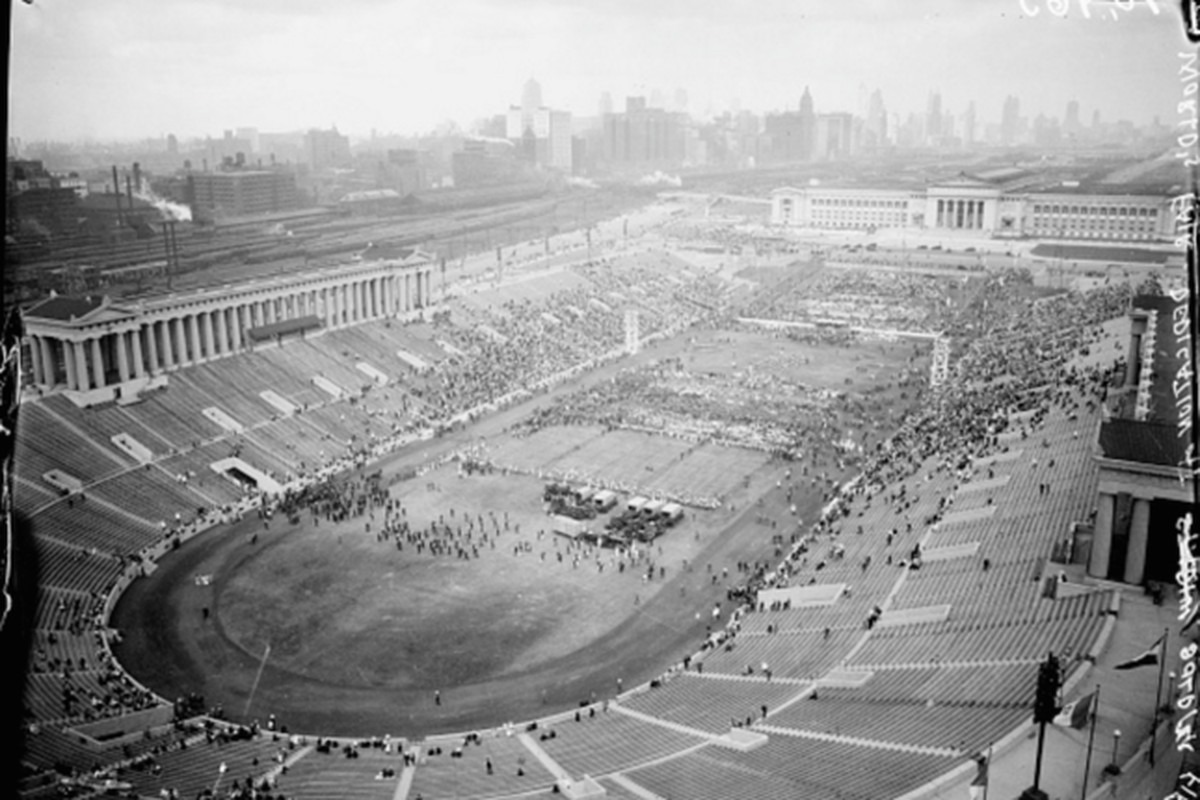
73,567
29,496
964,583
1001,684
216,384
804,655
1071,624
878,744
611,741
52,747
288,370
104,422
195,464
150,494
986,485
712,705
63,608
1005,457
59,444
317,776
91,524
789,767
196,768
466,777
175,419
914,615
43,697
78,650
966,550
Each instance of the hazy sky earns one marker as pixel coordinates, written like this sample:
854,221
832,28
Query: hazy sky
132,68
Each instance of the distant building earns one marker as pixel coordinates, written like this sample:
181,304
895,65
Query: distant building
836,136
998,206
542,136
933,119
793,134
238,193
484,161
1010,121
326,149
643,135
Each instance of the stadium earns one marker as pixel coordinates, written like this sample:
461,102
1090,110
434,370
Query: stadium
677,505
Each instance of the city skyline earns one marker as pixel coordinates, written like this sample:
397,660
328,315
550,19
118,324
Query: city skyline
126,70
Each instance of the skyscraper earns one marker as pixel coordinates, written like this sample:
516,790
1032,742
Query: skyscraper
933,118
968,134
1071,120
606,104
531,96
1010,120
875,133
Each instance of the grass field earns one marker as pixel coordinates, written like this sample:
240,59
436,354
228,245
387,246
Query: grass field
362,634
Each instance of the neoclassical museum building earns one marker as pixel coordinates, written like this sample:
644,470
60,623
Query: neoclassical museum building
97,349
990,207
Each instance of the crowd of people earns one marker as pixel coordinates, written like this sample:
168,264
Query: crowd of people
874,298
1013,352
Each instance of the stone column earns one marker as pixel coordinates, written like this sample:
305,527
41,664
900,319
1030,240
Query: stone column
238,324
139,362
35,356
49,369
272,318
168,349
152,346
194,336
77,376
223,330
206,324
1139,530
119,342
97,363
1102,536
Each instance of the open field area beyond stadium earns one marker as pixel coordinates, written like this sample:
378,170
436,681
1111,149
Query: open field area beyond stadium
515,621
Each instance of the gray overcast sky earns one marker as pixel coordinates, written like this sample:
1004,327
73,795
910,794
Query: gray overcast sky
132,68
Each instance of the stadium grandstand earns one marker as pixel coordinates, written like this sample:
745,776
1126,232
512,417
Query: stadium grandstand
881,590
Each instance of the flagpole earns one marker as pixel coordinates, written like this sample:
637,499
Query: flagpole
1087,764
1162,665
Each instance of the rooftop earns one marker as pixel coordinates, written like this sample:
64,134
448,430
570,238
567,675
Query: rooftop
64,308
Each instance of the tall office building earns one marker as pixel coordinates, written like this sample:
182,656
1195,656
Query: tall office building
542,136
1071,120
875,131
325,149
933,118
968,135
1010,120
531,96
645,135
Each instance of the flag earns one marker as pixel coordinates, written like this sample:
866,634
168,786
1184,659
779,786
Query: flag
978,787
1146,659
1076,715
